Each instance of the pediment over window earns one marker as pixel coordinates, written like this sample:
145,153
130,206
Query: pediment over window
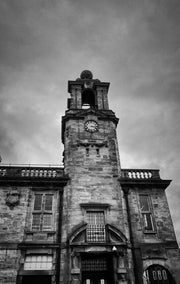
78,235
113,235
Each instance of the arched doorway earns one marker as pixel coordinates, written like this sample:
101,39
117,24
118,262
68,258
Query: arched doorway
157,274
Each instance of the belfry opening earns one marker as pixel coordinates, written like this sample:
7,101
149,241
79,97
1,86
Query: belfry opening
88,99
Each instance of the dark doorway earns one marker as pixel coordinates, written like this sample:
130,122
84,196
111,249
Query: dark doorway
157,274
36,279
97,269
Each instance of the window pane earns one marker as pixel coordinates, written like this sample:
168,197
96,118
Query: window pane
48,202
96,226
36,222
164,274
159,274
144,205
38,202
47,221
38,262
100,218
147,221
96,233
95,218
154,275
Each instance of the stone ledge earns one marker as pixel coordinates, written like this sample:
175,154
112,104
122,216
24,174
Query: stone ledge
121,270
75,271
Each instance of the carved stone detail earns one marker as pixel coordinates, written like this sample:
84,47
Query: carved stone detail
12,198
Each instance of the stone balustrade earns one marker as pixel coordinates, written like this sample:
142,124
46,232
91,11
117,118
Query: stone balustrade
51,171
140,174
35,171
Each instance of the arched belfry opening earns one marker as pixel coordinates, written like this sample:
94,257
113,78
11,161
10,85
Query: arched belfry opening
87,92
88,99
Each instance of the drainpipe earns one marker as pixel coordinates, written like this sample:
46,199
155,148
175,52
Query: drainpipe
58,251
126,192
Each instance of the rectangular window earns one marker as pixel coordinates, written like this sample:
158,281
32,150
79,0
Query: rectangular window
48,202
36,221
38,262
42,218
146,212
38,202
96,226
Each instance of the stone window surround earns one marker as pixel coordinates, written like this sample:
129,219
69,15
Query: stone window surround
149,211
99,228
34,192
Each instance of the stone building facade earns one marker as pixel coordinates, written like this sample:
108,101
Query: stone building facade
90,221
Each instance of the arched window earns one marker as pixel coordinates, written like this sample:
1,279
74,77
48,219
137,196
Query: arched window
88,98
157,274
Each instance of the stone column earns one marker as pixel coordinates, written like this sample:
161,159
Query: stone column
75,268
121,270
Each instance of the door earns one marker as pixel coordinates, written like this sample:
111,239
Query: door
97,270
95,279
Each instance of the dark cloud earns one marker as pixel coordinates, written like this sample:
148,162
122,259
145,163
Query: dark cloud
132,44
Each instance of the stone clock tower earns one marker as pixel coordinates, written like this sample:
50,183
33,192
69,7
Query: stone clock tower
94,224
116,226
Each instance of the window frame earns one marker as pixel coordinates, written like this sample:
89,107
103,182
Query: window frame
148,212
95,231
95,207
99,229
42,212
37,264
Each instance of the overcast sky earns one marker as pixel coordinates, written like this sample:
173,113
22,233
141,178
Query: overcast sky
133,44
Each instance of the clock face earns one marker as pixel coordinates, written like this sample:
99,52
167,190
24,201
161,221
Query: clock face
91,126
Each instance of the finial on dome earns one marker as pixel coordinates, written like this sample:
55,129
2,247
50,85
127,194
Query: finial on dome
86,74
